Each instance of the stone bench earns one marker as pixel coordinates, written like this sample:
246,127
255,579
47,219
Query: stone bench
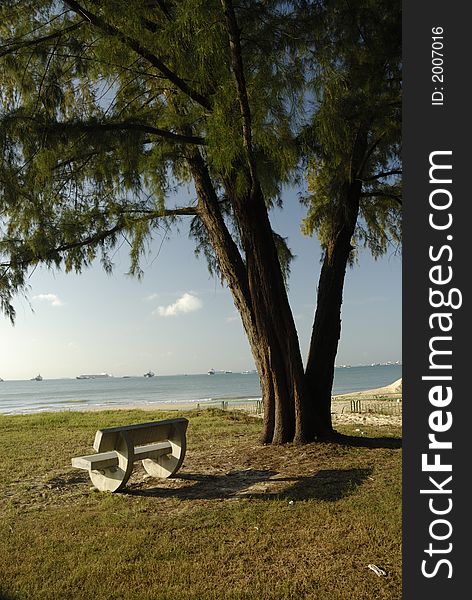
160,445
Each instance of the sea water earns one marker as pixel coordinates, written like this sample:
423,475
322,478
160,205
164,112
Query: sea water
17,397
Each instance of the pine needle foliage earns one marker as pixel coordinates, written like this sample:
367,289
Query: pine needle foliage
356,82
100,105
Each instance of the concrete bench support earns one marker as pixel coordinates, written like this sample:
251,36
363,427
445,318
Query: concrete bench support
160,445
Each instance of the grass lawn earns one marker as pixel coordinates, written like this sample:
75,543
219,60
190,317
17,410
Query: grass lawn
240,521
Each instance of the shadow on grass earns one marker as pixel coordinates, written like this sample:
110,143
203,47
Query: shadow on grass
5,596
363,441
328,485
206,487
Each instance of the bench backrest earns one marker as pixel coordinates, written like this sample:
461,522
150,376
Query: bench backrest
141,434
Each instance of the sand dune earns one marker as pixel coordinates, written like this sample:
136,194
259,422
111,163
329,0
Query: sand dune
373,406
394,389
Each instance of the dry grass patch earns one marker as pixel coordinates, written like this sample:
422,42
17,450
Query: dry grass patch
241,521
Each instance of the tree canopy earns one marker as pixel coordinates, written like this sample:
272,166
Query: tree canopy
354,167
108,107
357,78
101,104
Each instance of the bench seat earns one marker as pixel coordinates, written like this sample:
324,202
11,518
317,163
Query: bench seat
160,445
95,462
107,460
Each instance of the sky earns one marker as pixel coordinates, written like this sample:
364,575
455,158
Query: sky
178,319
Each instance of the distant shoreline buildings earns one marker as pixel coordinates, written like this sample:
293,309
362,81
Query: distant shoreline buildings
389,363
151,374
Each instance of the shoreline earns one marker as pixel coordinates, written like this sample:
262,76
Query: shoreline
377,406
392,391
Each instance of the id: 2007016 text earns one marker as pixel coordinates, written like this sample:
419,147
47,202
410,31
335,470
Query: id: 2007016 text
437,66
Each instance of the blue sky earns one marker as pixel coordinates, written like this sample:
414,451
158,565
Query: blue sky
178,319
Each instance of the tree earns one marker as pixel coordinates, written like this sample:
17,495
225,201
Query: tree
107,106
354,147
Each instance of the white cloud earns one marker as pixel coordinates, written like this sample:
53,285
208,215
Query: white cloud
151,297
185,304
53,299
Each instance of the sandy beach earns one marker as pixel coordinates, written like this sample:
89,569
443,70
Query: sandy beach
389,392
377,406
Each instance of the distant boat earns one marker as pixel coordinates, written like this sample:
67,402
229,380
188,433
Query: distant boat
37,378
211,372
149,374
1,379
95,376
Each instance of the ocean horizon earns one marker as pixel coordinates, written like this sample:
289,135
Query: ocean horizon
30,396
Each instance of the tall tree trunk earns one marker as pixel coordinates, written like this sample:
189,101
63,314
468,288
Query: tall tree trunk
273,315
260,296
327,324
281,367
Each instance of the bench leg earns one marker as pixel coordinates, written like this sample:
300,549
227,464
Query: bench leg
166,465
114,479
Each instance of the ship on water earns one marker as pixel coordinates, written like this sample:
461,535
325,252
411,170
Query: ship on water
95,376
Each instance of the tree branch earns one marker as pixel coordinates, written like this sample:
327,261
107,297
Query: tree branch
123,126
384,174
234,34
137,47
167,212
380,194
66,162
29,257
163,133
369,153
8,49
101,236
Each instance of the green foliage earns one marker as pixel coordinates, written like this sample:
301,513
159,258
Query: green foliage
101,104
357,84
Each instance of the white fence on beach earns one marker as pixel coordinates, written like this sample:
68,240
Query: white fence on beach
253,407
373,405
382,407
